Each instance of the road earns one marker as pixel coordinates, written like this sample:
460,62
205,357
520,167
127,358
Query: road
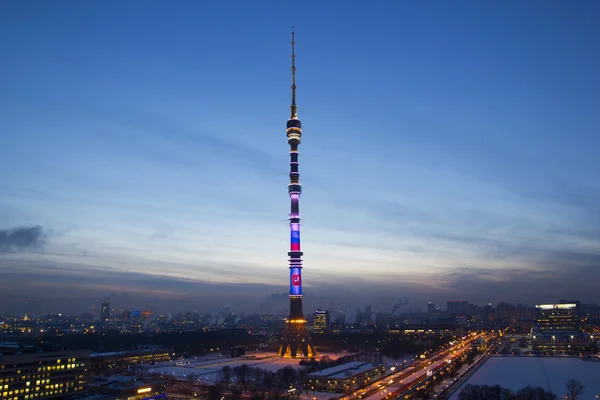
397,384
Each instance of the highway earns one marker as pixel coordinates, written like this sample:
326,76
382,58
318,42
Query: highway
395,385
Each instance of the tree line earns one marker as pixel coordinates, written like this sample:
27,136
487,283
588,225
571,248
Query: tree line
255,383
182,343
574,390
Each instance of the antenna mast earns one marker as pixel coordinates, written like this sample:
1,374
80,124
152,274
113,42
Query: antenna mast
294,108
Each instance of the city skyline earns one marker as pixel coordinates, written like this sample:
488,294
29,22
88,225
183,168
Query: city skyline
449,157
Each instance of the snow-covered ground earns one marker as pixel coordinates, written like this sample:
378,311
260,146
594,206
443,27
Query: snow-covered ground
405,359
550,373
206,368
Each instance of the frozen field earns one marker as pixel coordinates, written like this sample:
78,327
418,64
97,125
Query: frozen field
206,368
550,373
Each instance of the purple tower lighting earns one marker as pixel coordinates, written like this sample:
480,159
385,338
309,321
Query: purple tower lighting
296,341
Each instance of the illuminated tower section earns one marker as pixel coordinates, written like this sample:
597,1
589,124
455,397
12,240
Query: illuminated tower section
296,340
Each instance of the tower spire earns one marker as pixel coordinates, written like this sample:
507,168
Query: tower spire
294,108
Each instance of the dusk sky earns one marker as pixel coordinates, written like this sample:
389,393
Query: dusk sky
450,151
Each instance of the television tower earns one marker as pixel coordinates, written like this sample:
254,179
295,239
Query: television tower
296,340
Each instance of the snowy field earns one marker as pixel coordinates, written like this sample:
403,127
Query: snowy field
405,359
206,368
550,373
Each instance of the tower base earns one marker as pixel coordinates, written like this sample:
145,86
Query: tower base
296,342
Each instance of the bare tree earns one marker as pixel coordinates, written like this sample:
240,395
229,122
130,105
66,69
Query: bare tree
574,389
226,373
236,394
476,392
269,382
244,369
469,392
535,393
215,392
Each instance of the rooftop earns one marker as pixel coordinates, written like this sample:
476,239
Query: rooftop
131,352
353,371
343,371
119,382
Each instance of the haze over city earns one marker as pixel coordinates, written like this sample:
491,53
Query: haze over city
447,153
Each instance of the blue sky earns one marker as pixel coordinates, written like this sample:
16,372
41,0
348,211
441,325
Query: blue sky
449,149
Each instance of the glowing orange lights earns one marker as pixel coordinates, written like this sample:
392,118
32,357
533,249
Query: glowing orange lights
296,321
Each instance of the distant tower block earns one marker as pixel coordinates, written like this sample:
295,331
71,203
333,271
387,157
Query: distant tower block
105,311
296,341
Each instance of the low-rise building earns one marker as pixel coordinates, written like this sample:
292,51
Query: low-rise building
345,377
107,364
430,329
120,387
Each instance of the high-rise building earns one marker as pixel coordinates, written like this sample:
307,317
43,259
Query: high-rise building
430,308
524,312
460,308
558,328
557,317
296,339
488,313
105,311
368,318
464,307
43,375
506,311
321,321
577,306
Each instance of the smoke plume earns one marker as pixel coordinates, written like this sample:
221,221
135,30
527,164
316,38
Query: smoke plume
402,301
22,239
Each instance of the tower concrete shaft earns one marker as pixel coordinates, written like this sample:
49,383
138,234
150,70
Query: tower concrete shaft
296,341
